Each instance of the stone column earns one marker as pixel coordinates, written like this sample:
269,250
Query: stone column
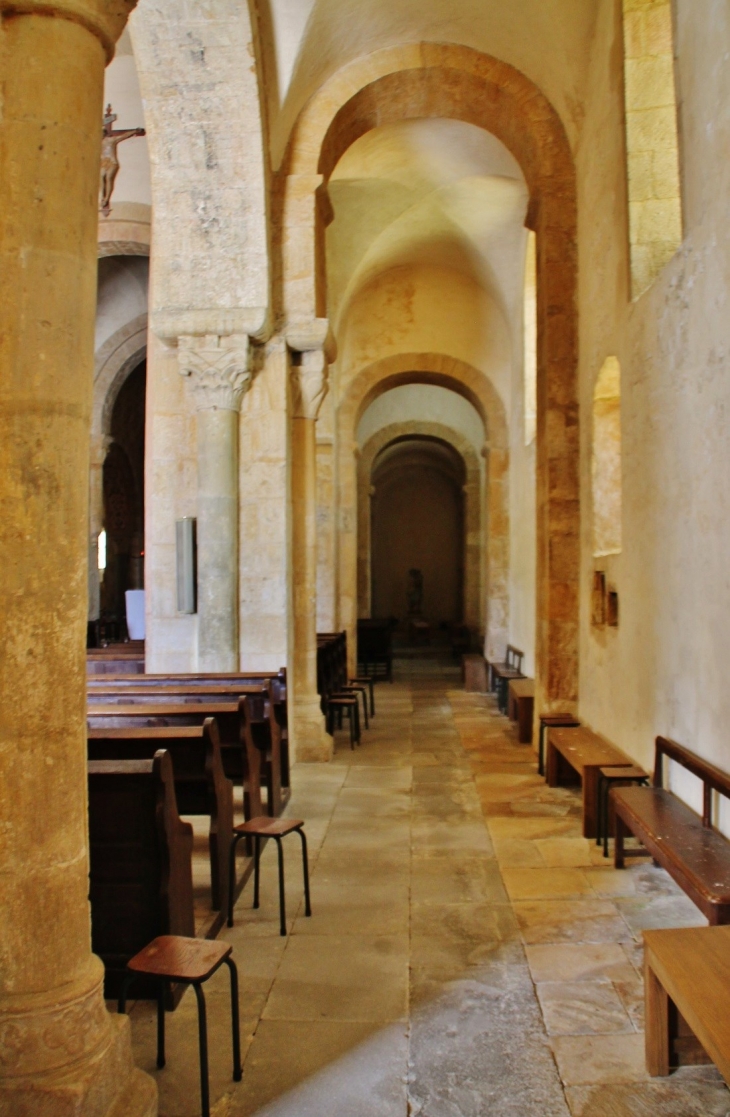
60,1051
308,389
219,376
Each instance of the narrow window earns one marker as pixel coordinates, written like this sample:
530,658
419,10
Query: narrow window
530,339
101,550
655,207
607,460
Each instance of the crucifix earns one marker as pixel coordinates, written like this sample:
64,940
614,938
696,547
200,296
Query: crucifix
110,140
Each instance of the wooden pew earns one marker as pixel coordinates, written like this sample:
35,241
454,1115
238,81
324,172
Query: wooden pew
687,992
375,647
521,707
201,786
252,735
694,854
140,862
580,753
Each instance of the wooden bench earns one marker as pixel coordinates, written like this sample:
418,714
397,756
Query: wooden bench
687,994
581,752
201,787
695,855
474,673
501,673
521,707
140,861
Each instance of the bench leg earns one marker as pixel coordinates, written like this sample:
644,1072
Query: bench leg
256,869
551,765
541,750
203,1047
618,843
657,1025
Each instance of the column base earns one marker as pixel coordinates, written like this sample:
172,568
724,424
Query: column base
311,742
108,1085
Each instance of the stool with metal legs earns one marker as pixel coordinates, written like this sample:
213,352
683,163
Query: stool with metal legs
276,828
174,958
608,778
552,721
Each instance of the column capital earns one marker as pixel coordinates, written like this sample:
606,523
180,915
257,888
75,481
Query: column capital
218,368
105,19
309,384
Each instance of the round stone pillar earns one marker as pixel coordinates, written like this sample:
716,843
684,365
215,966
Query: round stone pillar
219,376
60,1051
310,740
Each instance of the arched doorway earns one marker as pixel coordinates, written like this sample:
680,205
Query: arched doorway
121,567
417,517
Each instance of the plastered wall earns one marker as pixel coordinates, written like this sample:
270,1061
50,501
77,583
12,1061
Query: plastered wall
662,670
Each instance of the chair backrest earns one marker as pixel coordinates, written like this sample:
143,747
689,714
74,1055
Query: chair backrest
140,858
514,658
713,779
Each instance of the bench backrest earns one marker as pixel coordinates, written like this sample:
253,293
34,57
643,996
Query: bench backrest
140,860
233,678
713,779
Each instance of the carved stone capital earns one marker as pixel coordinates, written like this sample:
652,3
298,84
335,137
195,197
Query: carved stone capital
103,19
309,384
218,370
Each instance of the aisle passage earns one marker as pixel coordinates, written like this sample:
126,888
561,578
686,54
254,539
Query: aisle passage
470,954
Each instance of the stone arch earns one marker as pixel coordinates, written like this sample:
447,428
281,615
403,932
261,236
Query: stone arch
474,511
458,376
457,82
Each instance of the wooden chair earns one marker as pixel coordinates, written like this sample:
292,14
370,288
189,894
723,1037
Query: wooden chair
501,673
276,828
187,961
140,861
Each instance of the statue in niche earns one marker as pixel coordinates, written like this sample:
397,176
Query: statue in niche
110,140
415,592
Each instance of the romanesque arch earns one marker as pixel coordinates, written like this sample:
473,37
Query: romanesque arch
440,80
447,372
474,512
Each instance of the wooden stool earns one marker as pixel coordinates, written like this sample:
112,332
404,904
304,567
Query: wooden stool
616,777
276,828
552,721
173,958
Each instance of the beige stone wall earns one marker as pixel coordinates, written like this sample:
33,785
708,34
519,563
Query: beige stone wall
263,524
661,670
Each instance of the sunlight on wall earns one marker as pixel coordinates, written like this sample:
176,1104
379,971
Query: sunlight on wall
530,339
655,207
607,460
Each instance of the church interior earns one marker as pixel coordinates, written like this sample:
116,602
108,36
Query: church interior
362,413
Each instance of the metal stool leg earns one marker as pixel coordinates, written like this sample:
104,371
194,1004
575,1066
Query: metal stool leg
365,708
232,877
122,1003
305,867
203,1045
352,728
161,1025
256,868
282,900
235,1025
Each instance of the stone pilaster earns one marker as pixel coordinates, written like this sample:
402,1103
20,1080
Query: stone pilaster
308,388
219,376
61,1053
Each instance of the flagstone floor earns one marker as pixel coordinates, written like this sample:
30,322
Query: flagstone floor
470,954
